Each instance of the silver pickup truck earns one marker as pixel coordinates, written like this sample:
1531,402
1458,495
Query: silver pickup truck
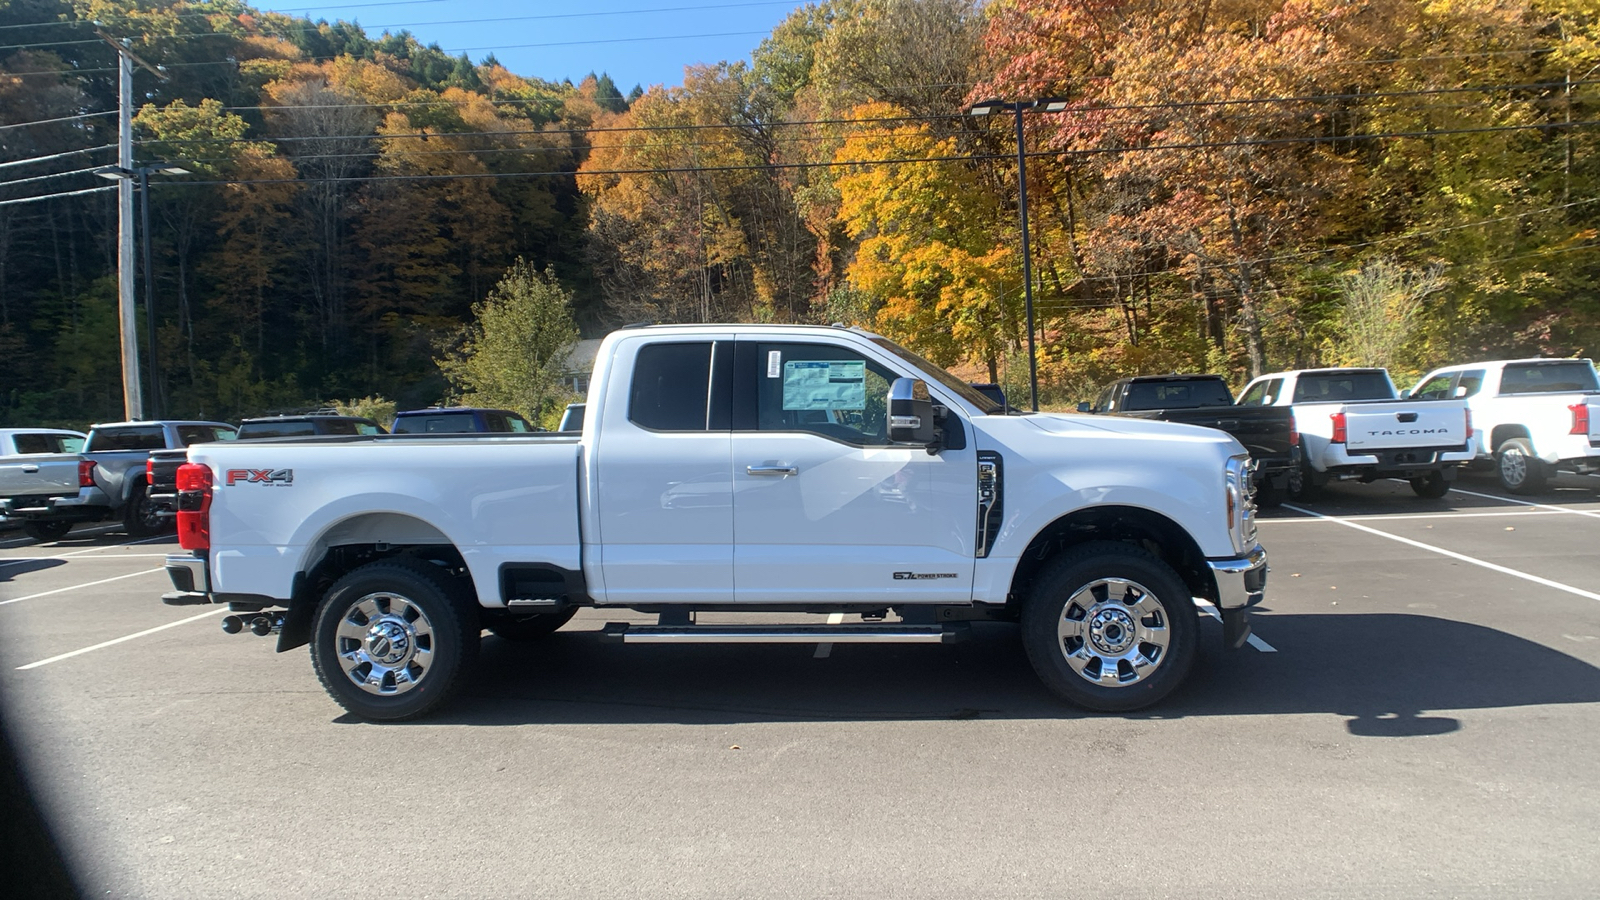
110,479
39,463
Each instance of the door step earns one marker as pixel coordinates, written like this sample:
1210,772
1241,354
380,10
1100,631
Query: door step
629,633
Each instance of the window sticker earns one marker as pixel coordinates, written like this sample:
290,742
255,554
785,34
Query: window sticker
824,384
774,363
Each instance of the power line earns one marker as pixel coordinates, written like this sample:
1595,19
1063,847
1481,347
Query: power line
109,112
6,184
39,159
109,187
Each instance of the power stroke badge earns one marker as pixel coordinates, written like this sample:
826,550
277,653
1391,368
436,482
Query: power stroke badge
922,576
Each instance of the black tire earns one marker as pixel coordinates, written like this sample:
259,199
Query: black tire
1431,486
45,530
1057,598
1304,488
139,516
528,628
1519,470
394,639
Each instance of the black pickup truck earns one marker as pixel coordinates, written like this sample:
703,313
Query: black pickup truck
1267,432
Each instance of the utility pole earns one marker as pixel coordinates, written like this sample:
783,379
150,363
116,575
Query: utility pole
132,397
127,320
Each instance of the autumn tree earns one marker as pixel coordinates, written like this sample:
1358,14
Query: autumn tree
926,250
515,350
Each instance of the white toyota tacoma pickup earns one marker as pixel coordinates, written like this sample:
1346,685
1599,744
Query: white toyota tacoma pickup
1535,415
1353,425
790,470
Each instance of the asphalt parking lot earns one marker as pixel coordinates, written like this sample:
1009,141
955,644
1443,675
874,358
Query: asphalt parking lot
1418,719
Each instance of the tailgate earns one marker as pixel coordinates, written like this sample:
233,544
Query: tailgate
1401,424
47,475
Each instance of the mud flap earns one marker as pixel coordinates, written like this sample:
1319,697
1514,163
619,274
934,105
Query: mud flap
1235,627
297,621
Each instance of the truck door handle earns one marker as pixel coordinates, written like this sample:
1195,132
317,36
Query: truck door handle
779,470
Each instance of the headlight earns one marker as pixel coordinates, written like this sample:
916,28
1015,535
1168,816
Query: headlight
1239,488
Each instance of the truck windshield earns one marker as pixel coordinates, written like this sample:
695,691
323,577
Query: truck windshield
1336,387
965,391
1177,394
1566,376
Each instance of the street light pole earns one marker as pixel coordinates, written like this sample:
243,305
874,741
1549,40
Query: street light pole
1027,261
984,108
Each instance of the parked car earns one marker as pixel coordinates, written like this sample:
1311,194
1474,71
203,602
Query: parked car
1534,416
1268,432
38,463
862,478
460,420
1353,424
112,478
161,471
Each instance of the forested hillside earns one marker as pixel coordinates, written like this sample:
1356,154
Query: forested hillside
1231,186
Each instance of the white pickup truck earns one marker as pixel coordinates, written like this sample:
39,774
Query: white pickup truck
1353,425
748,469
1535,416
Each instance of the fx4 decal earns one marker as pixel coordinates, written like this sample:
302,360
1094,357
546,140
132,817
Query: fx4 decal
270,477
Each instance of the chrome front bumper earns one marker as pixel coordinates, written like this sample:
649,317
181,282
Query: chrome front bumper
1241,582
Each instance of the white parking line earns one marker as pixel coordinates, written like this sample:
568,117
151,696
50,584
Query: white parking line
1451,553
1576,512
1386,518
1211,610
824,649
18,562
81,586
128,637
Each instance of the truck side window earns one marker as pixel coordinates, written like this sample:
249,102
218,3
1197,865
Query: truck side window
826,390
145,437
1436,388
1256,396
1471,383
670,387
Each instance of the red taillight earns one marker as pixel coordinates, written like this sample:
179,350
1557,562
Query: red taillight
194,507
1469,424
149,471
86,473
1340,432
1580,418
1294,435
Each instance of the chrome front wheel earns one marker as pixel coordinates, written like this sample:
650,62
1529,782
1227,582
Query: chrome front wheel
1110,627
1114,632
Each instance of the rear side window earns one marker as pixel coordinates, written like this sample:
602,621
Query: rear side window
671,384
252,430
201,434
1177,395
144,437
47,443
1548,378
1470,384
444,423
517,424
1334,387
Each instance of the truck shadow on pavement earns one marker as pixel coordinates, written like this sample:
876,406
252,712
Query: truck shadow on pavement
1382,672
11,568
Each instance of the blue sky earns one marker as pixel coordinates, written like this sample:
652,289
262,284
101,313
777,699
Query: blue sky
636,41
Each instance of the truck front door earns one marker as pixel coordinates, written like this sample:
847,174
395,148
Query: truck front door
826,509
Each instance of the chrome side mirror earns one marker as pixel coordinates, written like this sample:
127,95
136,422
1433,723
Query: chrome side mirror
910,412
